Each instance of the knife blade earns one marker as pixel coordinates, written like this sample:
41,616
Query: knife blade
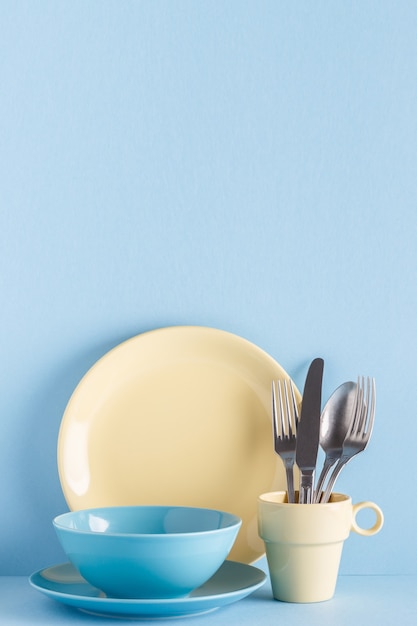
308,432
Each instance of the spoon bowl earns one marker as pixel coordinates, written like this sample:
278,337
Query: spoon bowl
334,425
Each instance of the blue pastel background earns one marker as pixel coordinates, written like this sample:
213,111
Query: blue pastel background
245,165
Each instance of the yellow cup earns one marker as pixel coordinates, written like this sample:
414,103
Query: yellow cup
304,542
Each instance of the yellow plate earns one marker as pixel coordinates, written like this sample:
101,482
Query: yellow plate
179,415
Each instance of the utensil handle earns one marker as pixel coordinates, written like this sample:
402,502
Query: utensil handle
306,488
328,464
340,465
290,481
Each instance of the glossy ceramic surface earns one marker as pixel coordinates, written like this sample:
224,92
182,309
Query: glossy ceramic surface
231,583
304,543
147,551
176,416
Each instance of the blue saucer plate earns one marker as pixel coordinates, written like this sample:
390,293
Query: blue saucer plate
232,582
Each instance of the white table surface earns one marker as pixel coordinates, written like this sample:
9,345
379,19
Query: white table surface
360,600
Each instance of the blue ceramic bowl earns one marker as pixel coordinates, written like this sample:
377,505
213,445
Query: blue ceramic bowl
147,551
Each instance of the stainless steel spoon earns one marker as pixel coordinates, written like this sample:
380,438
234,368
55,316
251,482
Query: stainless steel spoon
335,419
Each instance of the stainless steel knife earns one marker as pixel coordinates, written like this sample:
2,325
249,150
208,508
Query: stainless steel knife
308,432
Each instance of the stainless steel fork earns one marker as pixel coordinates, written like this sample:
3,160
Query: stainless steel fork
360,431
285,420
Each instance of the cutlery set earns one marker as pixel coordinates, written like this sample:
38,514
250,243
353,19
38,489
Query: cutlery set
342,429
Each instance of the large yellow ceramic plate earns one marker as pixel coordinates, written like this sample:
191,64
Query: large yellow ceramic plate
179,415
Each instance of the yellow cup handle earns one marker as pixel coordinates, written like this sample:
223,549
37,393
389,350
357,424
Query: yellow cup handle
379,522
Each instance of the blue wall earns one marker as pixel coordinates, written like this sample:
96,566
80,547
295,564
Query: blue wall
249,166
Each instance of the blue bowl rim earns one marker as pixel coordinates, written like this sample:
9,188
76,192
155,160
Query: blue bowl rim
58,522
